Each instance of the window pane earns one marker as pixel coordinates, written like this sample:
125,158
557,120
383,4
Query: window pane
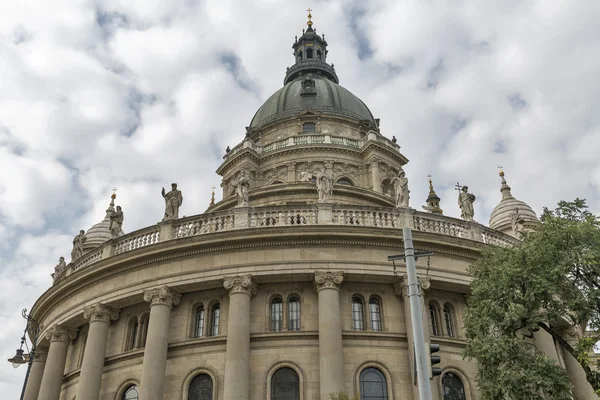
357,314
375,314
453,387
294,314
448,321
131,393
285,385
309,127
433,319
373,385
133,326
216,317
200,321
276,315
201,388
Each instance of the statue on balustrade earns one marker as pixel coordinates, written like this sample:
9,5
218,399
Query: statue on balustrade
305,176
116,222
516,222
324,187
78,242
401,188
465,202
173,201
59,269
242,188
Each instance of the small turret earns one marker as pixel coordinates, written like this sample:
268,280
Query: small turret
511,216
433,200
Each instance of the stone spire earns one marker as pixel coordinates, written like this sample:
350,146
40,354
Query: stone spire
433,200
310,53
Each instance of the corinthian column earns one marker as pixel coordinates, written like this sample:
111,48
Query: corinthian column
161,301
59,337
36,373
237,354
92,367
331,354
375,176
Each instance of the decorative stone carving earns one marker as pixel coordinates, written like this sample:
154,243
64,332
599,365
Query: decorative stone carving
100,312
516,222
116,222
324,187
41,353
78,242
401,189
304,176
240,284
173,200
242,188
465,202
328,280
163,295
61,333
59,269
401,287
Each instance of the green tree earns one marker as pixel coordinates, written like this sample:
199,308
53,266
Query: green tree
551,278
342,396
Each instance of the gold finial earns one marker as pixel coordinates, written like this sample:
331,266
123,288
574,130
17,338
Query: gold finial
212,199
500,167
430,183
114,193
309,23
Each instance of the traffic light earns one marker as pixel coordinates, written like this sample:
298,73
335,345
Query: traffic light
434,371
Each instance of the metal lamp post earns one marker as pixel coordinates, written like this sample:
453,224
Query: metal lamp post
34,328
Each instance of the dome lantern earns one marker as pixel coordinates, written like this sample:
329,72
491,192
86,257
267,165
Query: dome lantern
511,215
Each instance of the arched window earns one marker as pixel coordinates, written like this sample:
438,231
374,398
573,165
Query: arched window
285,385
216,319
344,181
433,319
358,322
201,388
143,330
309,53
448,321
375,314
452,387
294,313
373,385
132,329
276,314
199,328
131,393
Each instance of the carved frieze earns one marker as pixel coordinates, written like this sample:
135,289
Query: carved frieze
163,295
100,312
61,333
240,284
328,280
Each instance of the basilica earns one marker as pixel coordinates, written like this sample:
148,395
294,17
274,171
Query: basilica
282,290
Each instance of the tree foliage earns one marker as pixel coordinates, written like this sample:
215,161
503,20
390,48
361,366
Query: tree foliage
342,396
549,281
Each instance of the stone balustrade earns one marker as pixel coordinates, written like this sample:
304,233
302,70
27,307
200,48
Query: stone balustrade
288,215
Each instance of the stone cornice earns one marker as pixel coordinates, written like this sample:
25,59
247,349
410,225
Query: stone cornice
240,284
163,295
61,333
100,312
328,280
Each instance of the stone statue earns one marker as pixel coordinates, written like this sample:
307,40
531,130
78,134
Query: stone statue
516,222
324,187
465,202
305,176
78,243
241,190
116,222
401,189
60,268
173,201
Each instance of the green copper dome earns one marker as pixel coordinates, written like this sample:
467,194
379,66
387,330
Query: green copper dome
311,92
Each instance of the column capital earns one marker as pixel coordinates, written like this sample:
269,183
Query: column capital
100,312
41,353
61,333
328,280
401,286
240,284
163,295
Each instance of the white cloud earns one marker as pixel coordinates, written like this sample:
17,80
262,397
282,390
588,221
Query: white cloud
137,94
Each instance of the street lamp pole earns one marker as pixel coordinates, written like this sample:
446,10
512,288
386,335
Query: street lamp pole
34,328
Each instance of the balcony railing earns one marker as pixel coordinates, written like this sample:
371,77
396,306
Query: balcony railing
291,216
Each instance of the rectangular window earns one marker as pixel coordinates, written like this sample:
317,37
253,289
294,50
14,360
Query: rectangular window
276,315
358,323
216,318
309,127
294,314
433,319
375,315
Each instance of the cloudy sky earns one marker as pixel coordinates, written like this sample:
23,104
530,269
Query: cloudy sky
140,93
